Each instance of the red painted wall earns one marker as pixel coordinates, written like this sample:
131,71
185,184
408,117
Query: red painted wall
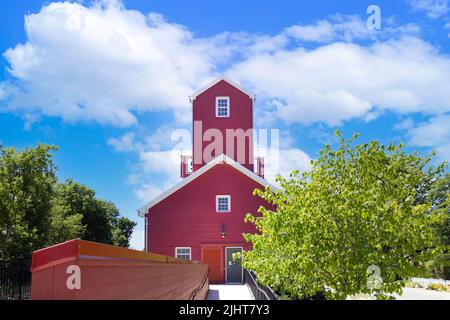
241,117
188,218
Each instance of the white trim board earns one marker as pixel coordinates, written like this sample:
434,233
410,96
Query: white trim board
234,84
222,159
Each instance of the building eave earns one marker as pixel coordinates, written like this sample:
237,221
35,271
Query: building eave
222,159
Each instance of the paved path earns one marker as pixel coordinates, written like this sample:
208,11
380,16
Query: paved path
413,294
423,294
229,292
242,292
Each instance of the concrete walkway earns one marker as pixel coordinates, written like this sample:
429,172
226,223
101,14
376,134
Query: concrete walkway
229,292
423,294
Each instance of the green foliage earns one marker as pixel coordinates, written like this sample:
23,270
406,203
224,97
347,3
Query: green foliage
412,284
26,182
439,196
122,231
36,211
439,267
92,219
357,207
438,287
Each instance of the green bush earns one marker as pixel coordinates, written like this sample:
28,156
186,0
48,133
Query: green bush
412,284
438,287
440,266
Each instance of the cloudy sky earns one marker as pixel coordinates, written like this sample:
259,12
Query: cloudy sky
108,81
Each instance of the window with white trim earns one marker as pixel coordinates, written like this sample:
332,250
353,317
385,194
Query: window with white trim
183,253
223,203
222,107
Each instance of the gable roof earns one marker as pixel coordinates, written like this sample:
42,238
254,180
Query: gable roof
222,159
234,84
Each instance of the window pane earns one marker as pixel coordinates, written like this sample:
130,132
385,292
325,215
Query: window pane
184,253
223,204
223,107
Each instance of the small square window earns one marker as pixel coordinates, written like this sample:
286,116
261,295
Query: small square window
222,107
223,203
183,253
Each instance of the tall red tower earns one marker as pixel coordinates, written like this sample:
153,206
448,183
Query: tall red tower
202,217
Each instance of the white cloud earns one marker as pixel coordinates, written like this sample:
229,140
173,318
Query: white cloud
157,169
102,62
338,27
137,240
348,28
434,133
123,144
433,8
406,124
341,81
289,160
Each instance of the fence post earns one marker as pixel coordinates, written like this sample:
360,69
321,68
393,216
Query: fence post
20,261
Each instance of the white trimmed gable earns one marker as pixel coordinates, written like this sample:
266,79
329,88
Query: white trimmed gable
234,84
222,159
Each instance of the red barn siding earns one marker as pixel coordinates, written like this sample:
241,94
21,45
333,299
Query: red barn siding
241,117
188,218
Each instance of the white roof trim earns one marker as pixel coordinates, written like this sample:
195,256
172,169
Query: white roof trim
220,159
234,84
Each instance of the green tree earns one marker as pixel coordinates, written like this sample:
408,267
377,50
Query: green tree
26,181
100,220
65,224
439,195
122,231
355,211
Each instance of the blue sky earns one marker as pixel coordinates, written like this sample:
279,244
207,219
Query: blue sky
108,81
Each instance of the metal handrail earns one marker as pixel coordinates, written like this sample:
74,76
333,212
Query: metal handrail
259,292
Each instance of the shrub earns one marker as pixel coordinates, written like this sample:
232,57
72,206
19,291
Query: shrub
412,284
439,267
437,287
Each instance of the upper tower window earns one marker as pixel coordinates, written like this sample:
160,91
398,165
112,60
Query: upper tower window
222,107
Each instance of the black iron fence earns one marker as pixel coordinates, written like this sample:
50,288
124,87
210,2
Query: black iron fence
259,292
15,280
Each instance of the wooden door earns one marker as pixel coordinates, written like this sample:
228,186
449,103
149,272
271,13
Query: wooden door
211,256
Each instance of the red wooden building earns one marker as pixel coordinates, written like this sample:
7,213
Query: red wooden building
202,217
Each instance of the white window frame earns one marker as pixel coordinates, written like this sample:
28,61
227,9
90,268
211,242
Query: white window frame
217,107
190,252
217,203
